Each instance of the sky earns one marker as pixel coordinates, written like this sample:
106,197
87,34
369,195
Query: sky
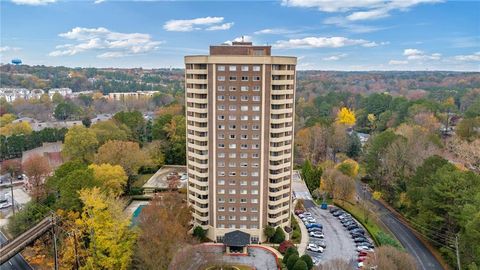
324,34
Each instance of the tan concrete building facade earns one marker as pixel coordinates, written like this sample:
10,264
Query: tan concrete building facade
240,112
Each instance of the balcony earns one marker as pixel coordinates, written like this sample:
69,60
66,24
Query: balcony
281,82
196,71
197,81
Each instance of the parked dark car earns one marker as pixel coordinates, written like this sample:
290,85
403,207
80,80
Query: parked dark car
360,239
355,235
352,227
366,244
333,209
314,229
338,213
358,230
347,224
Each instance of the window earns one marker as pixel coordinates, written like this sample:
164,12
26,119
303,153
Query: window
256,98
221,68
243,192
254,201
255,146
232,182
255,127
232,127
243,174
232,191
254,218
256,68
243,146
243,209
256,118
221,191
244,88
255,174
221,155
221,164
244,127
256,78
232,136
254,227
220,238
255,165
244,78
233,78
232,164
244,117
243,155
232,146
255,108
221,208
231,200
244,98
243,200
231,209
244,137
254,183
254,192
232,98
221,182
232,88
221,107
221,200
232,226
221,88
244,68
221,145
232,117
256,137
256,88
221,78
243,164
244,108
221,136
232,174
232,155
243,183
255,155
232,68
221,97
232,107
221,127
221,117
221,217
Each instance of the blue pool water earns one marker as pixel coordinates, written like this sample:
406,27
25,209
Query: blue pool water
136,213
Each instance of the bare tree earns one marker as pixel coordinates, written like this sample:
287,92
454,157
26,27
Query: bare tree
344,188
37,168
388,257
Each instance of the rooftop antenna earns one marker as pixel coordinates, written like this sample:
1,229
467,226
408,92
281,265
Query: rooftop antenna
243,39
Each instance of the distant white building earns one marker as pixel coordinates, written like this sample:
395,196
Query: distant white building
36,93
11,94
131,95
64,92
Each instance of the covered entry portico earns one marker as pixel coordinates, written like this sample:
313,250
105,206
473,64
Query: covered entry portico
236,242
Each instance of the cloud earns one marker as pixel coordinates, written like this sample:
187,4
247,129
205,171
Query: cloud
335,57
323,42
475,57
33,2
415,54
398,62
98,1
9,49
352,27
239,39
274,31
205,23
358,9
113,44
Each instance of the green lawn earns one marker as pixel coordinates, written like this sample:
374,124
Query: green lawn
141,180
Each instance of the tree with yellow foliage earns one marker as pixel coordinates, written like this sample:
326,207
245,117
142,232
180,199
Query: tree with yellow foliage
110,238
16,129
348,167
6,119
112,177
346,116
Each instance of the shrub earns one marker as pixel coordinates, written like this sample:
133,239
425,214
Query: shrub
292,259
308,260
279,236
385,239
200,233
285,245
269,231
296,235
290,251
300,265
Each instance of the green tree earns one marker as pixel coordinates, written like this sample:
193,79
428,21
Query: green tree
300,265
292,259
269,231
66,110
109,130
134,121
200,233
311,175
279,236
80,142
308,261
69,186
290,251
26,218
158,131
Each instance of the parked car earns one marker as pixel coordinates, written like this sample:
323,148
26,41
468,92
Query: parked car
333,209
361,259
299,211
353,227
364,248
314,229
316,261
345,220
338,213
321,244
317,235
309,219
345,215
350,223
362,253
359,230
356,235
314,225
365,244
314,248
360,239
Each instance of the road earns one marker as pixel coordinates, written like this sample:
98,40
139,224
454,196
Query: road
15,263
423,256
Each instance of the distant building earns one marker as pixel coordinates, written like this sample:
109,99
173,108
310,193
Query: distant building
36,93
101,117
363,137
11,94
37,125
131,95
64,92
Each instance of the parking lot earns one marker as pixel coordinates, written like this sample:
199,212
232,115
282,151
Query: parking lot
339,244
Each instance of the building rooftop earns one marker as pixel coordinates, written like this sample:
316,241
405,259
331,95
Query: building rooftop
236,239
240,48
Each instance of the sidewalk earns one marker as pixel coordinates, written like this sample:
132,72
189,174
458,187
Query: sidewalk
303,243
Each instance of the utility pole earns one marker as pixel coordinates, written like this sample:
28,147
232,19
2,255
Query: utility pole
458,252
54,242
11,190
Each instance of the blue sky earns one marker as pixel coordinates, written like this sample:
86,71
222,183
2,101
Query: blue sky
324,34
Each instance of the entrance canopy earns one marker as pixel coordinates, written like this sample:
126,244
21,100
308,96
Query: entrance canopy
236,239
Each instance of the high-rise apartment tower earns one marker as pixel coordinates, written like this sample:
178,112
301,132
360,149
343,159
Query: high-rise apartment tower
240,112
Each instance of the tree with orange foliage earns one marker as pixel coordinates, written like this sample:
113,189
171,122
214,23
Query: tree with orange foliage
37,168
